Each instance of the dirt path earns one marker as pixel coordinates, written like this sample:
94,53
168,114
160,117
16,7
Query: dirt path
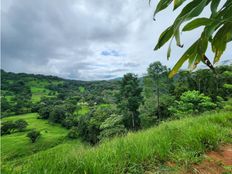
216,162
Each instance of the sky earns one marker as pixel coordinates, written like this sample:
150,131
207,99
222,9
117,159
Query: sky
87,39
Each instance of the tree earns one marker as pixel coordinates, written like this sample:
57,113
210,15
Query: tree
192,102
157,71
33,135
58,114
44,112
129,99
73,133
228,84
7,127
21,124
217,30
147,110
112,126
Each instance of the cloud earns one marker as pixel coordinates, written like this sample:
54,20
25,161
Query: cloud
85,39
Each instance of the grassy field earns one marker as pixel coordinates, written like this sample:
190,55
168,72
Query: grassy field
17,145
181,142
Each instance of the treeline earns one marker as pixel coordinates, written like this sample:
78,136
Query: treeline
116,107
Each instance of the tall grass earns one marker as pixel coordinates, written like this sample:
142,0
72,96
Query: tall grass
181,142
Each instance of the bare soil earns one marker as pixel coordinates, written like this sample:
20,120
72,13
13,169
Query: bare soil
216,162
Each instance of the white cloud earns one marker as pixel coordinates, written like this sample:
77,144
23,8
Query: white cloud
67,38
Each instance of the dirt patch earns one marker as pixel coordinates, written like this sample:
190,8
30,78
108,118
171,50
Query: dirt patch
216,162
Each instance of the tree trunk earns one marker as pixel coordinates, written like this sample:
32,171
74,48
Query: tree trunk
158,99
133,121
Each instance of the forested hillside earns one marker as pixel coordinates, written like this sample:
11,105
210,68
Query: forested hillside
60,114
101,109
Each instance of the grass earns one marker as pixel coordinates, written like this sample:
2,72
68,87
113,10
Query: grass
17,145
181,142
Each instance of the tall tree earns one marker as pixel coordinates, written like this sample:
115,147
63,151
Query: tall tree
147,110
129,99
157,72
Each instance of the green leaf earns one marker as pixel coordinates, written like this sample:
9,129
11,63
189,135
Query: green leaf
164,37
177,3
220,40
162,5
189,53
190,11
197,23
169,50
213,6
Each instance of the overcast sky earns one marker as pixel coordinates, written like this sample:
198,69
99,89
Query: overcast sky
86,39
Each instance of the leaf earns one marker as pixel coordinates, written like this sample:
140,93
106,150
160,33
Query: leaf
197,23
169,50
191,10
177,3
164,37
162,5
189,53
220,40
213,6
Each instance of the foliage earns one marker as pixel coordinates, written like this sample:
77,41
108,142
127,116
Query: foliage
20,124
16,146
217,30
33,135
7,127
192,102
129,99
183,142
112,126
73,133
89,125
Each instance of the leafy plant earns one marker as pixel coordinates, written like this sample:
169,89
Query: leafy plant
192,102
33,135
217,30
21,124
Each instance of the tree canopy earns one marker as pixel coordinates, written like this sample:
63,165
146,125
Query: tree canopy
217,30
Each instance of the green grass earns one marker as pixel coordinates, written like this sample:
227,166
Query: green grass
182,142
17,145
83,109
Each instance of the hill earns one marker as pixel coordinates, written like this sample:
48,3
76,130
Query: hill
181,143
21,92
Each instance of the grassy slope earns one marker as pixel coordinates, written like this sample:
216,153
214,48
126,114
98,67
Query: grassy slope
17,145
181,142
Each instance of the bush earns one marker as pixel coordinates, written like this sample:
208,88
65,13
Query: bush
33,135
192,102
73,133
21,124
7,127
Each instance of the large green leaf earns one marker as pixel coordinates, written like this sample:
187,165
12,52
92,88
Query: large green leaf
162,5
164,37
214,6
220,40
190,11
189,53
197,23
178,3
217,30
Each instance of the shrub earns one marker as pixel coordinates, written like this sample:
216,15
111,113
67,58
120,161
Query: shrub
7,127
192,102
33,135
21,124
73,133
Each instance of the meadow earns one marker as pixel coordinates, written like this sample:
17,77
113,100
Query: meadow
17,145
181,142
